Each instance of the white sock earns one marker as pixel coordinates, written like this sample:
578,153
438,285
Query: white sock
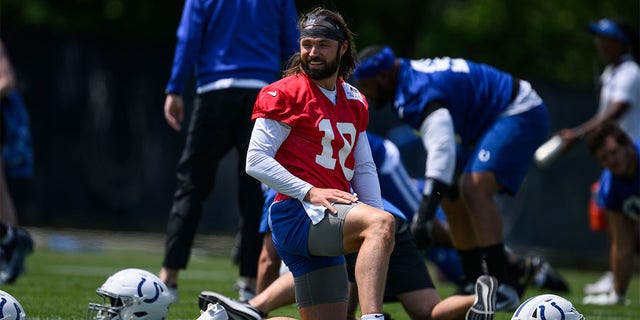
372,316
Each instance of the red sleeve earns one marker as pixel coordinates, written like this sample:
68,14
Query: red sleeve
280,101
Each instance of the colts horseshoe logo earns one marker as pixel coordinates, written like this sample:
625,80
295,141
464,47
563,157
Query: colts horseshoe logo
152,299
3,301
484,155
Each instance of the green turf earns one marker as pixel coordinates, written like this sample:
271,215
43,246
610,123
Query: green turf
60,285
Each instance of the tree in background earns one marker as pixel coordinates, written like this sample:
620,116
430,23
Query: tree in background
536,39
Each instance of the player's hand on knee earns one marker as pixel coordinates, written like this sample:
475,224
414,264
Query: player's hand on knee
327,197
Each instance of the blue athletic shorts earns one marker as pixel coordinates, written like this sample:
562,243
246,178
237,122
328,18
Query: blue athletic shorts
269,195
507,148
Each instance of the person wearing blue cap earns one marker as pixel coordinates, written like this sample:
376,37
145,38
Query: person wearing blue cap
617,45
498,121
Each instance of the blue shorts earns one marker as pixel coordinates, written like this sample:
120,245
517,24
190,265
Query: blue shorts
290,232
507,148
269,195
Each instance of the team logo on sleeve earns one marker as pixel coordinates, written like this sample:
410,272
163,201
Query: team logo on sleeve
484,155
351,92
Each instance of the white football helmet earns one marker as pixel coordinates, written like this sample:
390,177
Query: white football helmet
10,308
547,307
131,294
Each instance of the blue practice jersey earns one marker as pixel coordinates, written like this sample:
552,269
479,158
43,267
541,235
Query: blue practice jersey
378,151
475,94
396,186
619,194
241,39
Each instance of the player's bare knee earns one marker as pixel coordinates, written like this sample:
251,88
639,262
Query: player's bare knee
383,228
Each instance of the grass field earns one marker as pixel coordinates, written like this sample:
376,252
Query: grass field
67,267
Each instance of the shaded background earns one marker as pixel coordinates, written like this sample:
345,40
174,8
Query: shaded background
93,73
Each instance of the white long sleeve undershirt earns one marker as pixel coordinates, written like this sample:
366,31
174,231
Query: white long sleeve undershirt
438,138
268,135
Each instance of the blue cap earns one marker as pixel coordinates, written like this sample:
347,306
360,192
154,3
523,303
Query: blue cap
606,27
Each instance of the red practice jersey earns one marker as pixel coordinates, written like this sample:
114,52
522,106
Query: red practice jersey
319,148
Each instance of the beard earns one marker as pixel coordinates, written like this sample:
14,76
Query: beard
326,71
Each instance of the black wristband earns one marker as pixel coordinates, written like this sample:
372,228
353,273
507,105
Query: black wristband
435,190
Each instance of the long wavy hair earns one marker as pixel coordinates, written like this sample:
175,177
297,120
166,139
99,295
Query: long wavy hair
348,61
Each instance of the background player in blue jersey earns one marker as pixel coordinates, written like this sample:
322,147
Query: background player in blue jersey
405,193
498,121
616,42
619,194
236,47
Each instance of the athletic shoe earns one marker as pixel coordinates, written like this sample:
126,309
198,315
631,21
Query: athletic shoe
507,298
244,292
547,278
16,253
603,285
525,270
484,306
237,310
214,312
173,292
605,299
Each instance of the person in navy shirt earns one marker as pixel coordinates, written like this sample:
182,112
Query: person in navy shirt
498,121
234,47
619,195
